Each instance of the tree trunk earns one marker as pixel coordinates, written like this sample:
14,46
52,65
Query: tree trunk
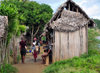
14,51
32,35
36,31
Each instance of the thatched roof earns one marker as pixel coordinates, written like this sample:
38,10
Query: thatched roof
3,24
69,21
65,20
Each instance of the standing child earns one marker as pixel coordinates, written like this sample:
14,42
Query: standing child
34,52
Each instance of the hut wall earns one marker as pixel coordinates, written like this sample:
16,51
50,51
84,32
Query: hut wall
70,44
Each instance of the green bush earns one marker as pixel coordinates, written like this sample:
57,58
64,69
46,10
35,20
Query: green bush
8,68
18,58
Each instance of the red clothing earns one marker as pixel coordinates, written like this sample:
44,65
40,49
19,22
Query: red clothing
35,54
23,44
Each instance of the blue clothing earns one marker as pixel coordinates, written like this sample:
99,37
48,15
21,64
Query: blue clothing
33,47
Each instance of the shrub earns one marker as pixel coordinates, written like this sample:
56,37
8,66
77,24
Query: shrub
8,68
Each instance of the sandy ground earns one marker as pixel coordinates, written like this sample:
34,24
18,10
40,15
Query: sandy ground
30,66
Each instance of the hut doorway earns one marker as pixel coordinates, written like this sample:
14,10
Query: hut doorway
50,38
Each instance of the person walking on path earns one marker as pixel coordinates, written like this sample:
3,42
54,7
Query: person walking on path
22,49
34,52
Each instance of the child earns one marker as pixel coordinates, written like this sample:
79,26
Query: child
34,52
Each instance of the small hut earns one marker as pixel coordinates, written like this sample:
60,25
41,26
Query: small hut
3,39
3,25
69,26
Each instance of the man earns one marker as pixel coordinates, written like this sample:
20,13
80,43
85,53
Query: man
22,49
47,52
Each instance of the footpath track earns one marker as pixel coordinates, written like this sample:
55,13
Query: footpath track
30,66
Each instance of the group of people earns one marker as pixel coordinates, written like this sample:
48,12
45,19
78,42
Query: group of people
35,49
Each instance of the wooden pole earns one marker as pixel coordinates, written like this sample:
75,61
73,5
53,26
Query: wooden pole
72,8
87,38
0,51
68,6
53,49
77,9
3,55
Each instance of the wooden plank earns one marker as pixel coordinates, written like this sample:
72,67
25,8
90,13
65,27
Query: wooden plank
86,38
81,41
53,49
60,56
77,43
71,43
68,45
64,45
57,46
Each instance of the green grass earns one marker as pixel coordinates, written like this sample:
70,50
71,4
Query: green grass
8,68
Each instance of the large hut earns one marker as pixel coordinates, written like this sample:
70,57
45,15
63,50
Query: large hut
69,26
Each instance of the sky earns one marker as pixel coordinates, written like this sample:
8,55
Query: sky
91,7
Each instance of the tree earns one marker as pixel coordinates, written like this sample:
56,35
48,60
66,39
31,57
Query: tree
37,16
97,21
32,14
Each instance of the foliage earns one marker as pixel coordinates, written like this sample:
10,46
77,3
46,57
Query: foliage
31,13
97,21
85,64
18,58
10,10
8,69
37,15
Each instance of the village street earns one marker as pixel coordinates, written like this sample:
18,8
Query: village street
30,66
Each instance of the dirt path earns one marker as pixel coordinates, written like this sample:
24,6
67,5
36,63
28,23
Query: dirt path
30,66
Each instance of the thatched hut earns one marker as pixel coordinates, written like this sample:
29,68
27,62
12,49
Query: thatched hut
3,38
69,26
3,25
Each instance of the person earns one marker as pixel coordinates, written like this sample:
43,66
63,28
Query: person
47,52
44,39
34,41
22,49
34,52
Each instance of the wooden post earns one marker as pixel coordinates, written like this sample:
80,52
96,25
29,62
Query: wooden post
77,9
53,49
68,6
72,8
14,50
47,60
87,38
8,52
48,38
0,51
3,55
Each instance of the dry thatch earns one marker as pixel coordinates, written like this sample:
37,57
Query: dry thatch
69,21
64,20
3,24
